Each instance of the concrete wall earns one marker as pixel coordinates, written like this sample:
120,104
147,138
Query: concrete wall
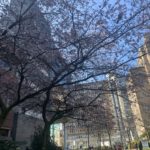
25,127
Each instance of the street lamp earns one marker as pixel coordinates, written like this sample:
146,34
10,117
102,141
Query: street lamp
74,144
118,113
65,134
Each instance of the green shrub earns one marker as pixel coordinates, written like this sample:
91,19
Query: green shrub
133,144
146,134
36,143
7,145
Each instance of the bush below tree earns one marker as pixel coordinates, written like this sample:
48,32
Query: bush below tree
37,141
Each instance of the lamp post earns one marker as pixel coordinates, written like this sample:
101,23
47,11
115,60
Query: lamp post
88,136
118,113
74,144
65,136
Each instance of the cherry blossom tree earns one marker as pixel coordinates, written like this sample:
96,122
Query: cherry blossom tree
48,46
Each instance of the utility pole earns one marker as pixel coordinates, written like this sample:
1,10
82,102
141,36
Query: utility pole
88,136
65,136
119,119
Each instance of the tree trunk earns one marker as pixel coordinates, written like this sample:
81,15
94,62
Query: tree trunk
100,139
46,136
109,135
129,138
103,139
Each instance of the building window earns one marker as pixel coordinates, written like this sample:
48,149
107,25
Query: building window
4,132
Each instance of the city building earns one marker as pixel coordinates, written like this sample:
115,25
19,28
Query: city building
20,128
23,129
103,128
33,47
139,89
56,134
6,128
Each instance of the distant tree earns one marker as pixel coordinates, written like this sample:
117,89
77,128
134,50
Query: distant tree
96,118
